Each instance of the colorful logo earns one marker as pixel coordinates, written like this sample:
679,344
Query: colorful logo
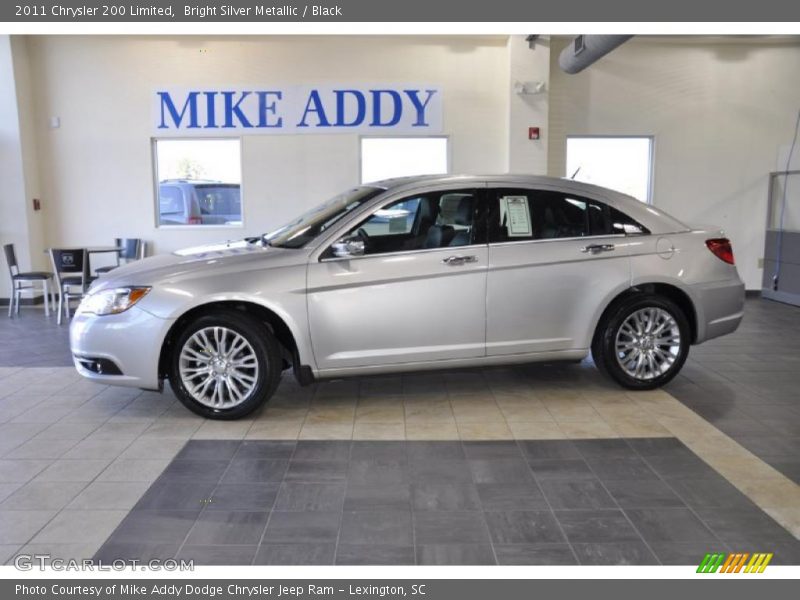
735,562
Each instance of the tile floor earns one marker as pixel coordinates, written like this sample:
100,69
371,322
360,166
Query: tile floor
76,458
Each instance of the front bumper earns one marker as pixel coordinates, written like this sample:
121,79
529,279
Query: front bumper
131,341
720,307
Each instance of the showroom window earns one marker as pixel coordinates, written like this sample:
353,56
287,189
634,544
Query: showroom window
198,182
383,158
624,163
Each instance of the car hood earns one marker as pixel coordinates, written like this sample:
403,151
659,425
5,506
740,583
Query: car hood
198,261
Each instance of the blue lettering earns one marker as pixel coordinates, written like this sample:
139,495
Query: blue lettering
177,117
314,105
265,107
232,109
361,108
420,107
211,117
397,113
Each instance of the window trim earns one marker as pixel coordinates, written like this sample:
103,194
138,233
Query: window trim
652,155
156,183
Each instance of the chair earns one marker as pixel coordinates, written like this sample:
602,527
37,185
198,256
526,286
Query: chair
131,249
19,278
74,263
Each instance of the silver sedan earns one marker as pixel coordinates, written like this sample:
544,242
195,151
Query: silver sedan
412,274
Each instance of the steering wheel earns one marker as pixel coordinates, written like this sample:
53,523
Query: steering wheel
364,237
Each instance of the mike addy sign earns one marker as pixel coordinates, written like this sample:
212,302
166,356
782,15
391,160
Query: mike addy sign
397,109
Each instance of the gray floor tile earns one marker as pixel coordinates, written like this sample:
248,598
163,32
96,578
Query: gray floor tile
596,526
390,497
649,493
374,554
576,494
511,496
21,471
218,555
315,553
244,496
389,527
373,450
523,527
614,553
310,496
541,449
378,471
80,526
534,554
254,470
195,470
455,554
627,468
435,450
155,526
500,470
215,527
669,525
742,526
604,448
492,449
322,450
266,449
317,471
450,527
441,471
702,493
209,450
135,551
167,494
685,553
302,527
677,467
445,496
561,468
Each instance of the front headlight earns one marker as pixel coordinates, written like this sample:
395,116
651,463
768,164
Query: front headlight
112,301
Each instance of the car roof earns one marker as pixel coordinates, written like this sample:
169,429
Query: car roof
654,219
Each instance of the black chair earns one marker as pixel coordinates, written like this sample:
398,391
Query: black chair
131,249
19,279
71,267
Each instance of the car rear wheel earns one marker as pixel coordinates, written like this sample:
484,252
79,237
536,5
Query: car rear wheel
225,365
642,342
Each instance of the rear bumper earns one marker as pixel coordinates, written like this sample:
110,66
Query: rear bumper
720,307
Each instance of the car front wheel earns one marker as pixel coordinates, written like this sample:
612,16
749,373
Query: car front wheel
225,365
643,342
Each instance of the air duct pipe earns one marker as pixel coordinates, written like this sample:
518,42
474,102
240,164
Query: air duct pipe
585,50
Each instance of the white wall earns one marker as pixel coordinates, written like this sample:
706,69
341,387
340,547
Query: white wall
719,110
96,169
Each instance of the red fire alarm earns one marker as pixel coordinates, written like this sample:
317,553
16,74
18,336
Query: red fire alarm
533,133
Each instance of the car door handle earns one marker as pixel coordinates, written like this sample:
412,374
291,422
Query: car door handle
597,248
454,261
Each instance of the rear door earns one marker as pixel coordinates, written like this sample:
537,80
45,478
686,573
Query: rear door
553,260
417,294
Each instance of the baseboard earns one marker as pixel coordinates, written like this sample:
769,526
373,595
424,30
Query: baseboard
34,301
752,293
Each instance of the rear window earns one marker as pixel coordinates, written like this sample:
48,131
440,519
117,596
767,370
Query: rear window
219,200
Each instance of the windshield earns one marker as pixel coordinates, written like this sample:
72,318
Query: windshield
306,227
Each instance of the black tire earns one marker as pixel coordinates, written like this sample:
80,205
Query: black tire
267,354
603,345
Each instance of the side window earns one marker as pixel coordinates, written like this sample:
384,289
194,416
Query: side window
170,200
622,223
524,214
426,221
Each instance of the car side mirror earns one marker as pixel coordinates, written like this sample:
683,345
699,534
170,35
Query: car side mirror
347,247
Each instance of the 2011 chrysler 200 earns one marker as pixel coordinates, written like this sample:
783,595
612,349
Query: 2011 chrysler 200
410,274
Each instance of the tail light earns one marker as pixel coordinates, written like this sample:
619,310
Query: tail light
722,249
195,220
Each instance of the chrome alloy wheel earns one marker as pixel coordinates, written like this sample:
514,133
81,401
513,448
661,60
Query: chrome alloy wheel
648,343
218,367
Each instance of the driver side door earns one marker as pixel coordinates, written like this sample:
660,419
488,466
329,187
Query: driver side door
417,294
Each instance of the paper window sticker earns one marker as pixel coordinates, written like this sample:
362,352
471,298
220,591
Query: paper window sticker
517,215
